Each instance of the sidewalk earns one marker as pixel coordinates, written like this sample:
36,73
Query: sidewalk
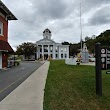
29,95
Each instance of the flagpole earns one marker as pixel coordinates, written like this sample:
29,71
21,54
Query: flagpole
80,27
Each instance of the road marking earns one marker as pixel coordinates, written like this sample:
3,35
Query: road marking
12,83
22,68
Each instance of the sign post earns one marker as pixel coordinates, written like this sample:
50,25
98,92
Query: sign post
98,69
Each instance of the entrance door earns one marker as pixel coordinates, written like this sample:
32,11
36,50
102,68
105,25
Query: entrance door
0,60
45,56
4,60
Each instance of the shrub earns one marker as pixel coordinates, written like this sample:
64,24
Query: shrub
17,63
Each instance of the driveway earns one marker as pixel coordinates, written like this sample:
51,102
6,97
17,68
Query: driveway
11,78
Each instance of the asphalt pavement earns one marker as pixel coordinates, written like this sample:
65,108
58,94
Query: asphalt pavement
10,78
30,94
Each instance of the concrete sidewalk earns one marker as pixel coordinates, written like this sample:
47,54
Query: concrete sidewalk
29,95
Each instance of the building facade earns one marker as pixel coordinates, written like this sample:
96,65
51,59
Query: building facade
5,48
48,49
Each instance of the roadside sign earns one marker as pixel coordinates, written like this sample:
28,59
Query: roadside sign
105,58
108,58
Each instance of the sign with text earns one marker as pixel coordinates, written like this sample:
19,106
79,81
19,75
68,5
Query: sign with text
105,58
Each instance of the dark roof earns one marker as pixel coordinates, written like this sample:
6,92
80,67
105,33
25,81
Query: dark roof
5,46
4,9
47,30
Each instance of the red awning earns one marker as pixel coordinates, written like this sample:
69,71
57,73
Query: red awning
5,46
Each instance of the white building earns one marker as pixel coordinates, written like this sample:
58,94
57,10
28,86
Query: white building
49,49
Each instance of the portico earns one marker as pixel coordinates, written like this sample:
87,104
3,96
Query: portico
49,49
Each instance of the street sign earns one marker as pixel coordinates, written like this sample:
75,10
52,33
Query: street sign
105,58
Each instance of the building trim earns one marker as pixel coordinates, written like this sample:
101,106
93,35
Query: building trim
9,14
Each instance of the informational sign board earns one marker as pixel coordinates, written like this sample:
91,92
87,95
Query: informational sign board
105,58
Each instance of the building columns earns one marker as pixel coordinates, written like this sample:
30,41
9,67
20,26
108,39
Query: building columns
49,52
67,52
59,53
37,53
54,52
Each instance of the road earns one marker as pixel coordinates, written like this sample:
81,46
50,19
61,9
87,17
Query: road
11,78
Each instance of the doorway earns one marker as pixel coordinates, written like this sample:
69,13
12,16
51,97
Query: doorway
45,56
4,60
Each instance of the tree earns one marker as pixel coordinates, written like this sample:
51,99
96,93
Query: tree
26,49
74,49
87,38
103,38
65,43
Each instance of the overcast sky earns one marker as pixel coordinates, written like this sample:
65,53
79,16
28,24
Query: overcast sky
62,17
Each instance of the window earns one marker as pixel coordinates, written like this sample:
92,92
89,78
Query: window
45,48
65,49
56,49
51,48
40,47
65,55
40,55
61,55
56,55
1,28
61,49
51,56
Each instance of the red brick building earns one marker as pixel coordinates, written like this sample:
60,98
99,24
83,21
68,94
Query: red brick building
5,48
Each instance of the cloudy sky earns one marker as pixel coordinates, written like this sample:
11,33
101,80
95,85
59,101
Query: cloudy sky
62,17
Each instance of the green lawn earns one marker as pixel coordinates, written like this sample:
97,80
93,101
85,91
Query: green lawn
73,88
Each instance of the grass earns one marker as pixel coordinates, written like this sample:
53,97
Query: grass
73,88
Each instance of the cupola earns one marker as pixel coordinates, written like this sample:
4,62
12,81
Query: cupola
47,34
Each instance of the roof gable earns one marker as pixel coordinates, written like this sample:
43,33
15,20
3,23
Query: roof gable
45,41
5,46
9,14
